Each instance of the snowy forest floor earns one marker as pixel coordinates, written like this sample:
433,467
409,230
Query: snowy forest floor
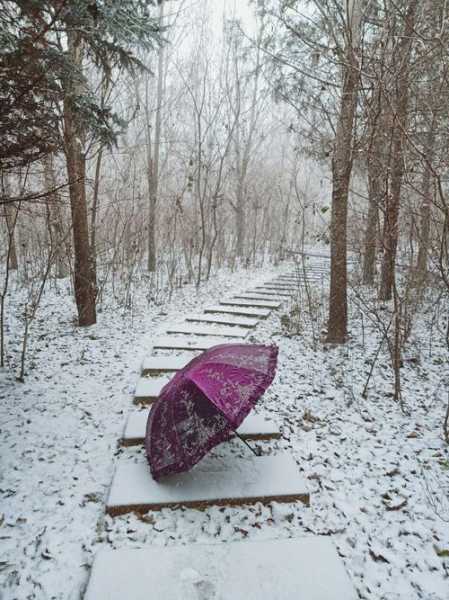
379,478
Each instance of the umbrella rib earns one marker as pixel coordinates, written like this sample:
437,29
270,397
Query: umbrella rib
246,443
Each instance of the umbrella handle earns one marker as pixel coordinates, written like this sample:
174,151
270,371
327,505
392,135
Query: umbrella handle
246,443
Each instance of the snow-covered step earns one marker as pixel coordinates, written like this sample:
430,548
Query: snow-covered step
223,320
149,388
168,342
297,283
212,481
281,286
263,293
155,365
222,331
249,311
289,280
275,291
307,277
256,296
278,290
308,269
261,289
307,568
260,296
288,288
247,303
254,427
299,279
308,273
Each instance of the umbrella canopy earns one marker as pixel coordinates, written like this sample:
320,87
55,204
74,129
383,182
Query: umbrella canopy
204,403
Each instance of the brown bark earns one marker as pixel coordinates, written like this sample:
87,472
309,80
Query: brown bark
84,275
341,174
375,164
153,156
370,243
152,186
55,218
245,147
11,219
11,224
427,200
94,212
392,199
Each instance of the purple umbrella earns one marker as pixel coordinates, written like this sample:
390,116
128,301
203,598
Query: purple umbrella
205,403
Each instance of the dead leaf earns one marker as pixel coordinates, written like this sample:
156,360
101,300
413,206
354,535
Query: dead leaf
378,557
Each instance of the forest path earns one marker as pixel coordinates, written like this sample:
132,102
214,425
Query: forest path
241,481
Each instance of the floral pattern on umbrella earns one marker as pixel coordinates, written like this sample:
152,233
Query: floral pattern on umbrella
204,403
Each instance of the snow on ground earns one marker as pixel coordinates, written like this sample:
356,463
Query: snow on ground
379,478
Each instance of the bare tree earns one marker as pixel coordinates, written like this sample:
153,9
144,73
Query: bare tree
341,174
74,135
401,60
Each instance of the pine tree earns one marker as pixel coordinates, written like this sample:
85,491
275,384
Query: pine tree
63,38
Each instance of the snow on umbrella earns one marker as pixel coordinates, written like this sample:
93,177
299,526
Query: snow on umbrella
205,403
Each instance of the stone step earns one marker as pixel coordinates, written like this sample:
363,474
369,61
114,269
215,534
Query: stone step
213,481
281,286
308,277
168,342
268,294
224,320
316,270
149,388
258,296
220,331
307,568
244,311
156,365
308,269
250,303
254,427
276,291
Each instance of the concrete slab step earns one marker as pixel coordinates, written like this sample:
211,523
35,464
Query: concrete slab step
168,342
249,311
259,296
220,331
268,294
149,388
224,320
248,303
254,427
156,365
276,291
211,482
306,568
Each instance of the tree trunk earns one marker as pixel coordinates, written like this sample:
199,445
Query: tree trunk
84,276
153,155
370,243
375,163
96,191
392,199
341,174
243,155
54,215
11,219
240,219
11,224
427,198
94,213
